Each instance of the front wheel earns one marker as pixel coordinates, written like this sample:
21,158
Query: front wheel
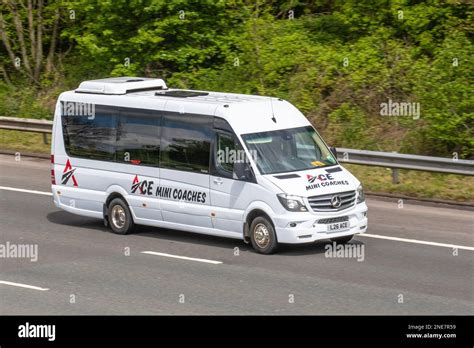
120,217
342,240
263,236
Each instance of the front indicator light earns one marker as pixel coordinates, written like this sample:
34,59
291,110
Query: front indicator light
360,194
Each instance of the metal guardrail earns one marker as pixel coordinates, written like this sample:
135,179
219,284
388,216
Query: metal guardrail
405,161
391,160
397,161
26,124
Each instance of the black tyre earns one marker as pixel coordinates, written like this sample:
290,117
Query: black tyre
263,236
119,216
342,240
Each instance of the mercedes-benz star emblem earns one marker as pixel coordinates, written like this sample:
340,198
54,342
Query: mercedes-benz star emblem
336,201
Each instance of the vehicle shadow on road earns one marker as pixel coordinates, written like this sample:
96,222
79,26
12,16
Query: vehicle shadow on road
71,220
190,237
67,219
318,247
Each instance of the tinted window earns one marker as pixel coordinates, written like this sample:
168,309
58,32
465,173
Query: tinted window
220,123
186,142
138,136
226,152
89,132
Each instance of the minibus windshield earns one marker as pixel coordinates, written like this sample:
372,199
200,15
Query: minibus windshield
288,150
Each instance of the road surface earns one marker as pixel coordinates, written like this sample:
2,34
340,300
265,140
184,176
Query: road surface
417,260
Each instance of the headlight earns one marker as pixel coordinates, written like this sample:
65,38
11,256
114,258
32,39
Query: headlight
360,194
292,203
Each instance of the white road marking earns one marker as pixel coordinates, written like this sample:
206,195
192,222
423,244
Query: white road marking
25,191
182,257
23,285
416,241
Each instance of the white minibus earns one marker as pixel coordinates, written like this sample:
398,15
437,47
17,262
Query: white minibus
132,151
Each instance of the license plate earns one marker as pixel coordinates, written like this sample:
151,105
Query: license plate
338,226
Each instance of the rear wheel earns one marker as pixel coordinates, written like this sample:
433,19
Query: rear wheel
120,217
263,236
342,240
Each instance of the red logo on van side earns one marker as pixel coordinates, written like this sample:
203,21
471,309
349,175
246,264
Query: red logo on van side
136,184
68,173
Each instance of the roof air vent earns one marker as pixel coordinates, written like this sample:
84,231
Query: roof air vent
121,85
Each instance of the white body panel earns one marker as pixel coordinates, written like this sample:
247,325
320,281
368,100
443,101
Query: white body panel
211,204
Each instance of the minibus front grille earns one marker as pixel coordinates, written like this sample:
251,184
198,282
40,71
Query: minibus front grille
323,202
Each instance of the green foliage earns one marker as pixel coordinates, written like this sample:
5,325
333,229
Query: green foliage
446,96
336,60
154,37
23,102
347,125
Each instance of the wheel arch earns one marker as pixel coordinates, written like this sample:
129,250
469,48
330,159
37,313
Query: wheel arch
113,192
253,212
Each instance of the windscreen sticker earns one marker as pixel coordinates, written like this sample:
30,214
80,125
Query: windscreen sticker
324,181
317,163
68,173
147,188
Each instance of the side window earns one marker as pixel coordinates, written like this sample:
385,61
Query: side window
225,153
90,135
186,142
138,137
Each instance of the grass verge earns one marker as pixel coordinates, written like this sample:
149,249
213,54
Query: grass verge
24,141
415,183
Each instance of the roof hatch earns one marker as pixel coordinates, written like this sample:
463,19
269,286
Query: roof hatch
181,94
120,85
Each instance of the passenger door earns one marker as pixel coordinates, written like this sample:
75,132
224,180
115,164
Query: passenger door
229,195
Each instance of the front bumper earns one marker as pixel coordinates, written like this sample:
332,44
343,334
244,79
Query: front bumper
299,228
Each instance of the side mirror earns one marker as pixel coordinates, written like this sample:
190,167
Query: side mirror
334,151
243,171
